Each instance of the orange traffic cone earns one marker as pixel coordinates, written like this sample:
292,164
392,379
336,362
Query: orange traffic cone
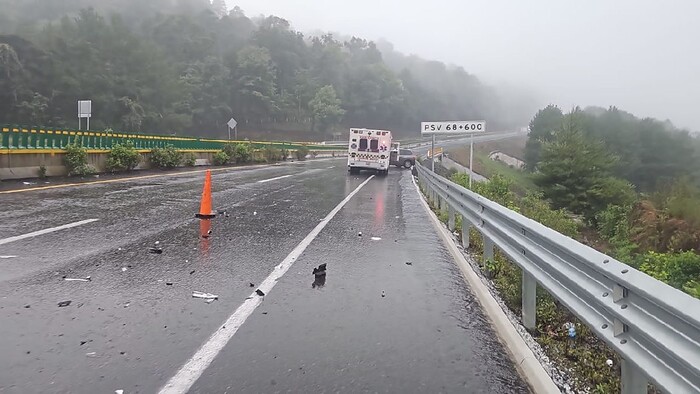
205,211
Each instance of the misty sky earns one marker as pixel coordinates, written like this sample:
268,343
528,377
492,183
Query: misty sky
640,55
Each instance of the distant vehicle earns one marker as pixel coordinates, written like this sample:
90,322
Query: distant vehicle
402,157
369,150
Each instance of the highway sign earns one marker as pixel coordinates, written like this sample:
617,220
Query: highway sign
453,127
232,123
84,108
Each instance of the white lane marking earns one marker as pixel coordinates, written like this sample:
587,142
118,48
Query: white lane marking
195,366
275,179
46,231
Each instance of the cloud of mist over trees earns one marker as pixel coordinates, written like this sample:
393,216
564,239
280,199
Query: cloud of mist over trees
177,66
634,54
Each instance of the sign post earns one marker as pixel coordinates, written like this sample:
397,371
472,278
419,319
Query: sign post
232,125
454,128
84,111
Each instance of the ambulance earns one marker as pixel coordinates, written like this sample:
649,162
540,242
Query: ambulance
369,150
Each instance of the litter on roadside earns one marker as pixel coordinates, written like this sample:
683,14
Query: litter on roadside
155,250
376,239
91,354
123,269
85,279
64,304
118,391
209,301
205,296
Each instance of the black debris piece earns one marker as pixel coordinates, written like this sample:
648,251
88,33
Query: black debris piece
27,306
63,303
251,284
168,283
155,250
320,271
82,343
260,293
192,272
409,263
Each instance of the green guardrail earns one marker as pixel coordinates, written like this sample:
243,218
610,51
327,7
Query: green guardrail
30,137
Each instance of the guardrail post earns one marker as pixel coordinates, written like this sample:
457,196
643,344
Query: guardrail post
466,226
451,218
632,379
488,249
529,296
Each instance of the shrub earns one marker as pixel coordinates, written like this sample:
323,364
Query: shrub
239,153
272,154
123,158
220,158
189,159
301,152
76,160
167,157
680,270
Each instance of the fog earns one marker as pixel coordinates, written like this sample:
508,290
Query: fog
639,55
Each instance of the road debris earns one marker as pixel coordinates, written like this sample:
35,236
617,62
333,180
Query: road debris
209,301
168,283
359,234
205,296
155,250
251,284
64,303
91,354
27,306
320,271
255,213
409,263
192,272
260,293
29,183
383,294
376,239
85,279
124,269
609,362
7,257
118,391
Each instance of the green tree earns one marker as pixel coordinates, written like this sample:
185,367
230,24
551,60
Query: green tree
325,109
575,172
542,128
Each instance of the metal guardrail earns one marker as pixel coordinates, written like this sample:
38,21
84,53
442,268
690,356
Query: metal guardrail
654,327
24,137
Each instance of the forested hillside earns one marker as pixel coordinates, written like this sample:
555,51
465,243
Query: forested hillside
178,66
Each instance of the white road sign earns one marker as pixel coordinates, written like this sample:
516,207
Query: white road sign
453,127
84,108
232,123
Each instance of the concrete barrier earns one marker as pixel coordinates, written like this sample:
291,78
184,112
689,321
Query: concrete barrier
25,164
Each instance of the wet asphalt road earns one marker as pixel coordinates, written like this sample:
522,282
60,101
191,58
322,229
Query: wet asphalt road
128,329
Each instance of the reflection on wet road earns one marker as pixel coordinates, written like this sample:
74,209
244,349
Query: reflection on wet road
370,322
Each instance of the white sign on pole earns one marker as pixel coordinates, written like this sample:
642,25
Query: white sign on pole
232,123
84,109
453,127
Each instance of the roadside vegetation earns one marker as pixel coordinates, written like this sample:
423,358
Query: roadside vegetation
76,160
122,158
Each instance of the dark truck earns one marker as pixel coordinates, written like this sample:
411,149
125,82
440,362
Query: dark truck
402,158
